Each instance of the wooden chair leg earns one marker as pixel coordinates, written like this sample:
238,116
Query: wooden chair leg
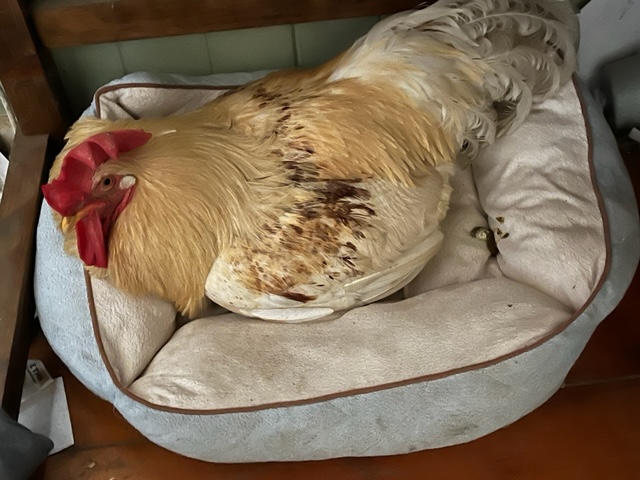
19,213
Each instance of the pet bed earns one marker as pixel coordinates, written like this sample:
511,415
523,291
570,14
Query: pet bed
477,341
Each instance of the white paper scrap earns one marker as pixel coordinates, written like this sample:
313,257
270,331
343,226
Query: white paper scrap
44,407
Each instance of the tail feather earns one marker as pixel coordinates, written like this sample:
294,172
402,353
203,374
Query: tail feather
482,64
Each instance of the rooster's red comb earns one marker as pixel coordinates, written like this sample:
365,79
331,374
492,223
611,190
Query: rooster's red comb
66,193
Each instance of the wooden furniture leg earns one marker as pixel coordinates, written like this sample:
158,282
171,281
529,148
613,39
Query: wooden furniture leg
30,89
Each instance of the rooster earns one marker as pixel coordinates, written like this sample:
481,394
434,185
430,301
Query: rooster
309,192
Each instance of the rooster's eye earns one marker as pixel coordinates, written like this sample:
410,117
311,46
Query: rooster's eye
106,183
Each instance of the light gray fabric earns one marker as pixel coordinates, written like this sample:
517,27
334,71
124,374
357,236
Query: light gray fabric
230,363
155,321
550,232
429,414
63,309
219,79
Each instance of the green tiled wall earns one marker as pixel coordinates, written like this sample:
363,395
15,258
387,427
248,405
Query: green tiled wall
317,42
253,49
83,69
186,54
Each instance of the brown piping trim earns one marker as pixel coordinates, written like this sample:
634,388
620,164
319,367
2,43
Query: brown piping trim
360,391
97,333
166,86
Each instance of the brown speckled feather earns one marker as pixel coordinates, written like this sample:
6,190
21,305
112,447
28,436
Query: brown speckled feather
356,203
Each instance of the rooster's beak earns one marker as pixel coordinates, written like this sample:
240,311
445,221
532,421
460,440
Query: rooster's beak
67,223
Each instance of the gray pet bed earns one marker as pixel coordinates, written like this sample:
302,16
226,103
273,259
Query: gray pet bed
476,342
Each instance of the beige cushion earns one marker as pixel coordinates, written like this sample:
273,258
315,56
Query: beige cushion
465,309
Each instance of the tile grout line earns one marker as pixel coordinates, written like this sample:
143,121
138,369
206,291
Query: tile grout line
208,45
294,44
121,57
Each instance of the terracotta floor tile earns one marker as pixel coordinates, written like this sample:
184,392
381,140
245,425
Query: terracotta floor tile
586,433
95,421
614,349
630,151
